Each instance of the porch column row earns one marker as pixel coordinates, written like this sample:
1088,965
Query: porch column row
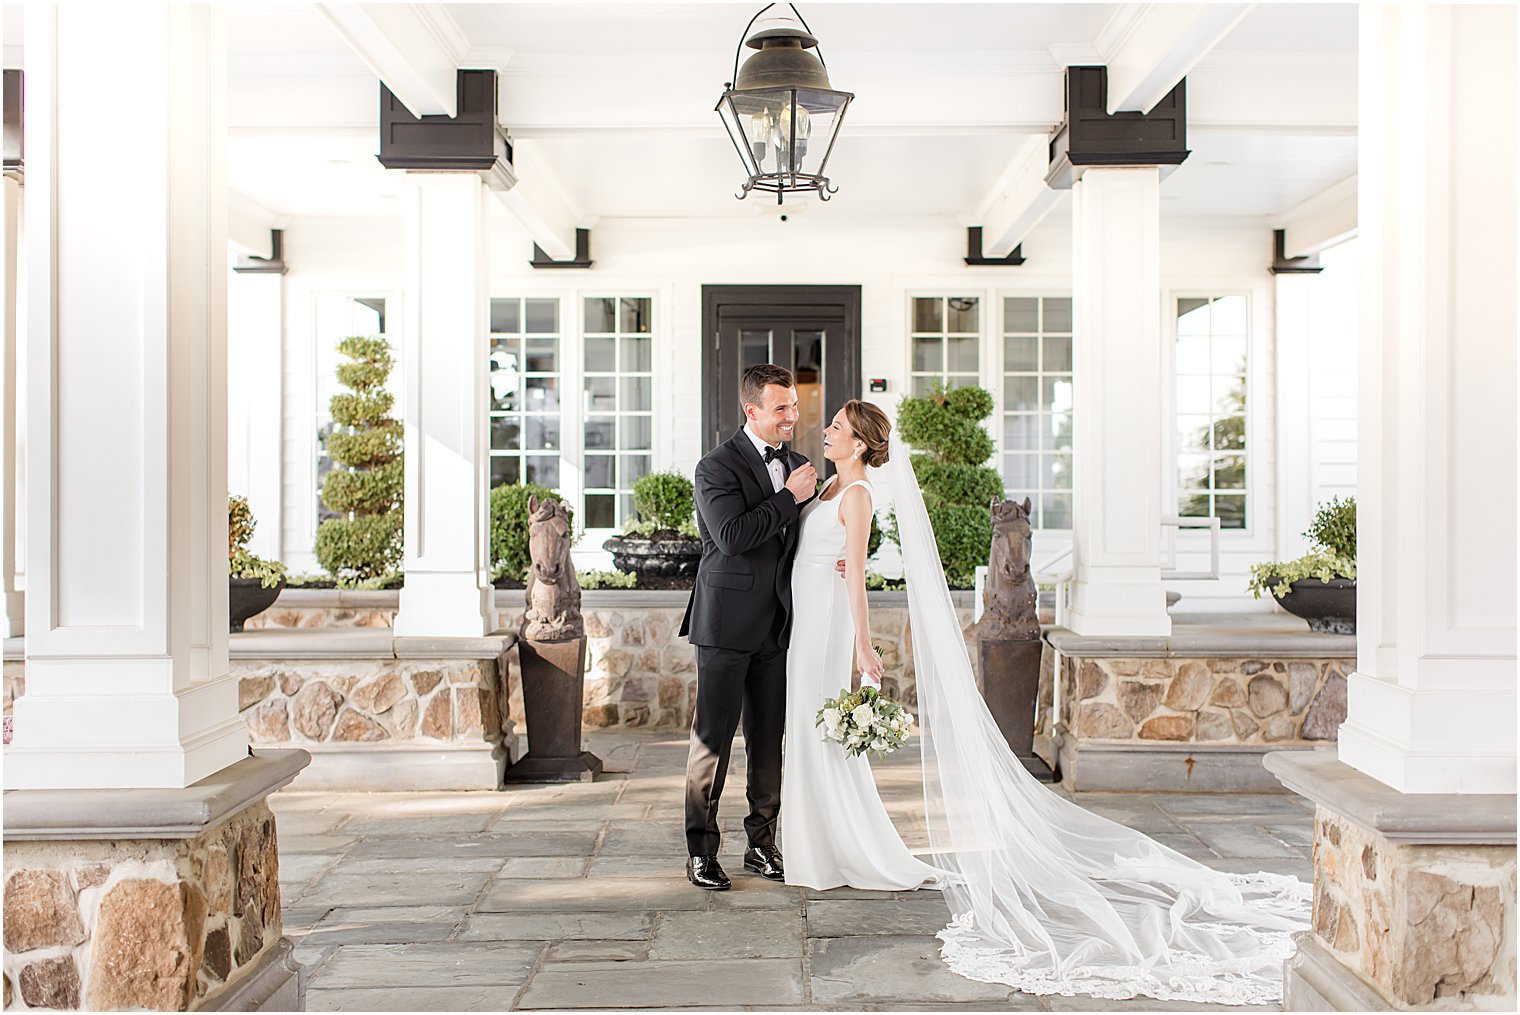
12,600
127,670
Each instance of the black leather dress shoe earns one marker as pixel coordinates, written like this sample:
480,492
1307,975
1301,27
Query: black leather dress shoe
704,872
765,861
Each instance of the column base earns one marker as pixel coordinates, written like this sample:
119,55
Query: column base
1130,610
444,605
164,899
1413,895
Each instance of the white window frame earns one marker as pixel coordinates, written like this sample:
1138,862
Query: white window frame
1042,292
1256,534
560,334
656,390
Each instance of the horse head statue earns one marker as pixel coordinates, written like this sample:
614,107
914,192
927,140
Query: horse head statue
553,594
1010,601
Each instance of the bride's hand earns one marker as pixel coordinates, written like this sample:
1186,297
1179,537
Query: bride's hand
869,664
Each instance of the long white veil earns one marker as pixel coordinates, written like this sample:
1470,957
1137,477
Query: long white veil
1049,897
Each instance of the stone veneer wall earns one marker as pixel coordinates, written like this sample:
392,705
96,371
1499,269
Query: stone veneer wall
148,923
310,702
641,674
1212,700
1428,926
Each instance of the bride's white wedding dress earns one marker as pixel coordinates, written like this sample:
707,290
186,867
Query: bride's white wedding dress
1045,896
835,831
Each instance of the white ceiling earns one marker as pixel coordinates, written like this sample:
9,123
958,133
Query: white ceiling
619,98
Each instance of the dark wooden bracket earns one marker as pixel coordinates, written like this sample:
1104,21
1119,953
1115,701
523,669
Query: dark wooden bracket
1282,265
274,264
1089,135
976,258
582,258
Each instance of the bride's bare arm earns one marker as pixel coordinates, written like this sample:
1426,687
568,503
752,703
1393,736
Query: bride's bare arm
855,512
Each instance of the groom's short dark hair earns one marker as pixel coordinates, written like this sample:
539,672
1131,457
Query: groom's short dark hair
752,385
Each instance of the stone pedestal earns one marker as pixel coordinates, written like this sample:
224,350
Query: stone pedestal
553,684
165,899
1414,895
1010,686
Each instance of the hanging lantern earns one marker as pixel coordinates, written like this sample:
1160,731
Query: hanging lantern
780,110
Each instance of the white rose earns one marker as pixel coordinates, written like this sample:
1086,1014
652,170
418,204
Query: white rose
907,719
863,716
878,744
831,717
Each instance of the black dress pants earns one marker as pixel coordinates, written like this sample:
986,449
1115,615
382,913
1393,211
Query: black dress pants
731,683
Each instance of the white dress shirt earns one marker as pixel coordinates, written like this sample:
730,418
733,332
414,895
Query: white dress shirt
778,473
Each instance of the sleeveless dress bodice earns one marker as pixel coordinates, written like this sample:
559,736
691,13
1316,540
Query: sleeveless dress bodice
835,831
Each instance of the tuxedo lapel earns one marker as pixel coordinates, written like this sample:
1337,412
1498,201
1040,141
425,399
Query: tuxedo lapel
746,449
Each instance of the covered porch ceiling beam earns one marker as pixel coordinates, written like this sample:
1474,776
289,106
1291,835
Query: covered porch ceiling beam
535,197
1148,48
1322,221
414,49
249,225
1019,200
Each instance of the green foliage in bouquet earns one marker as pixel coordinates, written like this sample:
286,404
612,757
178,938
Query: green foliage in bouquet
241,563
365,485
865,720
958,487
509,527
1333,553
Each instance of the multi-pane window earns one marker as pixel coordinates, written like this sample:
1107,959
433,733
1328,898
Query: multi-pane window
1037,406
946,335
1211,409
619,404
525,388
336,318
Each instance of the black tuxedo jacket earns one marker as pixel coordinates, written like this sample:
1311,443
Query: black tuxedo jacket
748,537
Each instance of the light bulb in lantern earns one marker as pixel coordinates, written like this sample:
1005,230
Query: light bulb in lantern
784,130
759,134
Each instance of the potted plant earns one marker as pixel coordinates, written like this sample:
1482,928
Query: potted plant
253,582
663,542
1320,586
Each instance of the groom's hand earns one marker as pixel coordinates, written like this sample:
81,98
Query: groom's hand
802,482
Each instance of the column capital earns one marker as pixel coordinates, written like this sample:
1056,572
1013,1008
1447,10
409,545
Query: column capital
470,142
1090,135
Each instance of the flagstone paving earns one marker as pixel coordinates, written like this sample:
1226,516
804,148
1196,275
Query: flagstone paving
565,897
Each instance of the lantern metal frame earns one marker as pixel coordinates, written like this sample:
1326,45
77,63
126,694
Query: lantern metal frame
788,179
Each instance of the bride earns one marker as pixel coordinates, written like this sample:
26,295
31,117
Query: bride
1044,895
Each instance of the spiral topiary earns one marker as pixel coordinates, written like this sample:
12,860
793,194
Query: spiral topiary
365,485
958,488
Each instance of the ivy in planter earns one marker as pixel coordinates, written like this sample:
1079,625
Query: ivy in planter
1332,535
241,563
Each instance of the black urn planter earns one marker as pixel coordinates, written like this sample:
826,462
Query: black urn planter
656,558
1329,607
247,597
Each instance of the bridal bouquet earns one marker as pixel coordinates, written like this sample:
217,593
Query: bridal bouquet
864,721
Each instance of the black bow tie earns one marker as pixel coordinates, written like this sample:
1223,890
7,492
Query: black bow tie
772,454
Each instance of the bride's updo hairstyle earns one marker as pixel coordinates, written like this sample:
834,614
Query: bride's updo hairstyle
871,427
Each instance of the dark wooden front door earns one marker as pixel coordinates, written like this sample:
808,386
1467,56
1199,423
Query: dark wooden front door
813,331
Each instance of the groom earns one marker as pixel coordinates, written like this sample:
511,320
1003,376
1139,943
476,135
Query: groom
749,493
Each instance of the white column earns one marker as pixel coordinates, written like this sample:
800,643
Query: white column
448,590
1118,485
1432,704
255,343
1294,320
12,602
127,672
